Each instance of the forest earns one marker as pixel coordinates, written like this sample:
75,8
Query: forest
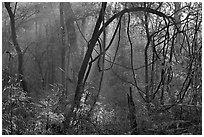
101,68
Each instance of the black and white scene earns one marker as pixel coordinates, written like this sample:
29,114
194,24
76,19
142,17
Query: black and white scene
101,68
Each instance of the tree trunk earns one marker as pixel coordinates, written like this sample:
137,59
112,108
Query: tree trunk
177,18
72,49
81,74
62,27
99,69
17,47
83,26
131,114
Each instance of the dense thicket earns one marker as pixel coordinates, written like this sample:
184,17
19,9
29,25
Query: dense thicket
102,68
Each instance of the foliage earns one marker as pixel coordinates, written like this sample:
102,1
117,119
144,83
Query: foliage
18,110
156,50
21,115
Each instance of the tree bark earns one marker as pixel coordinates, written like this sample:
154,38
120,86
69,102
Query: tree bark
87,57
81,74
17,47
71,53
146,61
62,28
131,114
97,32
177,18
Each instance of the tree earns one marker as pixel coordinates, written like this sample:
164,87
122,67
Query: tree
62,28
17,47
81,74
95,35
153,48
71,53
